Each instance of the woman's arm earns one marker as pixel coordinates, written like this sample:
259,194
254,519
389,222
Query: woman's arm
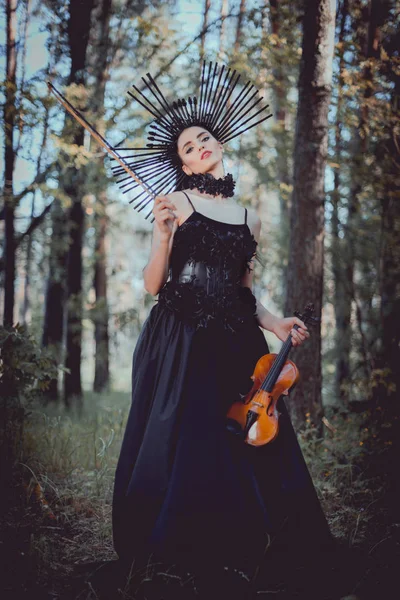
265,319
155,273
281,327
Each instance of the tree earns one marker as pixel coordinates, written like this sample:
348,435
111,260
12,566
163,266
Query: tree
79,25
207,6
306,255
9,160
101,57
386,378
239,27
342,266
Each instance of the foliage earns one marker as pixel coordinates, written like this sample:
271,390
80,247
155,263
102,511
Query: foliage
337,465
72,456
25,368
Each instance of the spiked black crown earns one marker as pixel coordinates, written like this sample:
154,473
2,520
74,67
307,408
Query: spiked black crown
157,164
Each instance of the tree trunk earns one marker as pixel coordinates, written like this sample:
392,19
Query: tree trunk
280,93
53,325
79,24
342,267
346,289
100,59
26,301
389,351
25,309
222,31
11,409
306,255
207,6
239,27
101,376
387,393
9,159
72,382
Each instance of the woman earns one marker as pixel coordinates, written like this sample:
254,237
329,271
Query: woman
187,491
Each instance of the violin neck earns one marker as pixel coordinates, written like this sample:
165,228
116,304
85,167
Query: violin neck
277,365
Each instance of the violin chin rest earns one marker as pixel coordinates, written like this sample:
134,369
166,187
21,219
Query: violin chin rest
234,427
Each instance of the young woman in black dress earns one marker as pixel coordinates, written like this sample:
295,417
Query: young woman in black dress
186,491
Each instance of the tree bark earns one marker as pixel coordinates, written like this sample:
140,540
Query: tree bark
35,221
222,31
306,255
101,316
101,60
386,393
79,25
9,160
342,267
371,20
12,412
53,324
207,6
239,27
280,92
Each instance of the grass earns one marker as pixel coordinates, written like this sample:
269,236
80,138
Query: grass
61,516
73,458
337,463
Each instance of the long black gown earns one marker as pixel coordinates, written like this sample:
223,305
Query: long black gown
186,489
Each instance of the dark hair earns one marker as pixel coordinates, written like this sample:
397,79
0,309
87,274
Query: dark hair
179,185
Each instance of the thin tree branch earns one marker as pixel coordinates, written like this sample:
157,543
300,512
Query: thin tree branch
35,222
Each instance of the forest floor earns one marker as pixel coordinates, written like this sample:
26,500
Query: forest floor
56,536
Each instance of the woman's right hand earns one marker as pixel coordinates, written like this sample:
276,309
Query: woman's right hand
166,220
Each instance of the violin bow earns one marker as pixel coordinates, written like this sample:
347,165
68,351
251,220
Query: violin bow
98,137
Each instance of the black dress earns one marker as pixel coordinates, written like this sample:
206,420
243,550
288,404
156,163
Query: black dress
187,490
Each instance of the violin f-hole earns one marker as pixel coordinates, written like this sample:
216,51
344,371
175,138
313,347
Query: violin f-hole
251,418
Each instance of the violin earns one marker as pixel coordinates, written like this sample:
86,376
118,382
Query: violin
255,417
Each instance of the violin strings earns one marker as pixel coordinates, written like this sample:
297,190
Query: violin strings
278,363
279,360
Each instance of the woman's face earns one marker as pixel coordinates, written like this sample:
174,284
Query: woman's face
198,150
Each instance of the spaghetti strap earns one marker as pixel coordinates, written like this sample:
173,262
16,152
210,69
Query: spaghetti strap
245,216
189,200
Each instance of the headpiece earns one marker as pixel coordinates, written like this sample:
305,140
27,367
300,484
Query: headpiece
224,116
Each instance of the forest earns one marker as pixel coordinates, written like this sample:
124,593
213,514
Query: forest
323,175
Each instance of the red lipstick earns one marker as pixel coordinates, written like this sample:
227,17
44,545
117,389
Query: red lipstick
205,153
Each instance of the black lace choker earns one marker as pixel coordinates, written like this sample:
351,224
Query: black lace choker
205,182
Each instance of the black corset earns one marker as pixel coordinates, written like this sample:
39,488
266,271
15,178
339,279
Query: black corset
208,261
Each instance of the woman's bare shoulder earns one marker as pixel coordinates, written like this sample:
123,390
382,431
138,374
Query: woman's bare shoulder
177,198
174,195
180,202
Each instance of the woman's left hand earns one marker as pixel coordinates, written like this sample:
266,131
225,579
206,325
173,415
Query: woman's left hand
285,325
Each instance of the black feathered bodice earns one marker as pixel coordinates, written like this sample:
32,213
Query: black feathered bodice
208,261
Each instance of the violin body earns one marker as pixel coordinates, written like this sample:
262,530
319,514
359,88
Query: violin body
257,415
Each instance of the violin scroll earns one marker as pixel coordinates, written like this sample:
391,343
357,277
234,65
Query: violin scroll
307,317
